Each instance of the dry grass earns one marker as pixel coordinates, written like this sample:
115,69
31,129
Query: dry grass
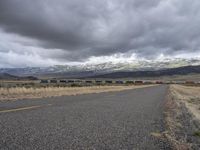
190,96
22,92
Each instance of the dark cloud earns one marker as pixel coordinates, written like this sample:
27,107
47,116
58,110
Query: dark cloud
103,27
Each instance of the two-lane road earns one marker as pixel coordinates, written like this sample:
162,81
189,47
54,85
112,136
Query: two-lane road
114,120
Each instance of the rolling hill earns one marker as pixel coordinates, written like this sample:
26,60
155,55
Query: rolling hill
157,73
6,76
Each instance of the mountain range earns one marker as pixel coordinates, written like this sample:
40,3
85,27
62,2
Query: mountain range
106,67
186,70
110,69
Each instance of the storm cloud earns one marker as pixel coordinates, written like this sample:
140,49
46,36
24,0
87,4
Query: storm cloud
69,31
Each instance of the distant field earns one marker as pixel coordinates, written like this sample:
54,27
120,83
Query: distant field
189,77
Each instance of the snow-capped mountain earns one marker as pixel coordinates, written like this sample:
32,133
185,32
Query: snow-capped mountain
102,68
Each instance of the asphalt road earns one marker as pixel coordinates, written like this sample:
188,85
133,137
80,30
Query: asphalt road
114,120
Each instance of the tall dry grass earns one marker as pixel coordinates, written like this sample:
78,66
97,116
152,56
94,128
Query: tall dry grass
22,92
188,95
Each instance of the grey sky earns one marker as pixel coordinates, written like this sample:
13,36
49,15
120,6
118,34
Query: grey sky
51,32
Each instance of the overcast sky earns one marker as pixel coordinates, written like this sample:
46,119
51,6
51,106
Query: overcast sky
50,32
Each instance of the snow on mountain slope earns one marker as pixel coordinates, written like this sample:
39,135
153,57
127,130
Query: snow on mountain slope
108,67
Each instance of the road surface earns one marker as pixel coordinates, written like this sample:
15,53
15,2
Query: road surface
114,120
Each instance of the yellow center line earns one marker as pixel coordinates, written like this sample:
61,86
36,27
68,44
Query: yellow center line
20,109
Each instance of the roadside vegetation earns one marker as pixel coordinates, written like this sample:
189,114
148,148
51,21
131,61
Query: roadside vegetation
183,117
14,91
190,96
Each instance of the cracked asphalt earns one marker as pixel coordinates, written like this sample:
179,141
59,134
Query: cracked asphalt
110,121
